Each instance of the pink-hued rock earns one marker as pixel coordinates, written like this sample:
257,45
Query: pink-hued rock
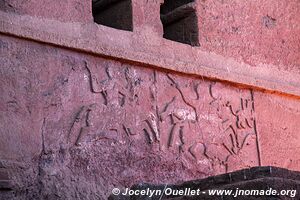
67,11
260,179
92,123
112,110
278,119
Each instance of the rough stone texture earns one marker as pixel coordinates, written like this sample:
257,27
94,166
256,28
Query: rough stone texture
86,124
254,32
256,178
67,10
278,128
145,45
75,125
250,31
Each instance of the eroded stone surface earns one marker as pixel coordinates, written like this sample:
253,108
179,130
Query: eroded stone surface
254,32
97,124
279,130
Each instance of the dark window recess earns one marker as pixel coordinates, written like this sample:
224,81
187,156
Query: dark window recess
179,21
113,13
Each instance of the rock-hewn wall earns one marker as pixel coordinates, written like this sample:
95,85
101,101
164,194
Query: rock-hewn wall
85,124
76,122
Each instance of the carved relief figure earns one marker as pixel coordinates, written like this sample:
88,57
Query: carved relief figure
207,123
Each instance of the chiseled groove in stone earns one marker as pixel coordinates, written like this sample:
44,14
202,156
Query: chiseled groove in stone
72,35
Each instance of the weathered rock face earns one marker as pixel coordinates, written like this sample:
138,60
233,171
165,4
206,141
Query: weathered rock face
278,130
254,32
85,108
86,124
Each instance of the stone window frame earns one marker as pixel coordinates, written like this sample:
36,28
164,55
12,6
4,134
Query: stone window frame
180,21
178,18
113,13
145,45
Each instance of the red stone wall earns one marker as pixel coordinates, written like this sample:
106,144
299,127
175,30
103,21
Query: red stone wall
76,115
75,123
254,32
66,11
278,118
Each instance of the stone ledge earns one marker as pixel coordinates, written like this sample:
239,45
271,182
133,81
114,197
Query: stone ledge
148,49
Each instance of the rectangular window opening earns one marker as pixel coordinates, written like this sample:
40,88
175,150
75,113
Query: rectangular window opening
113,13
180,21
